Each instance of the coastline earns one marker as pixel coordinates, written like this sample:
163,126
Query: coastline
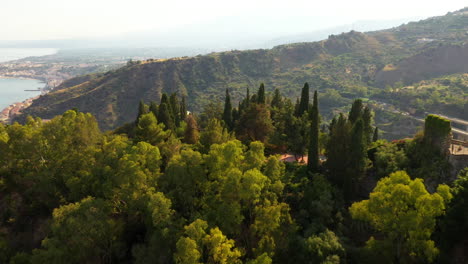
8,113
11,71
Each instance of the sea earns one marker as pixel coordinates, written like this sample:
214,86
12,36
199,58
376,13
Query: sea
13,90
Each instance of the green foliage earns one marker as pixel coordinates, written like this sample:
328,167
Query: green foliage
375,136
337,150
255,124
356,111
165,116
73,194
436,130
197,245
277,100
405,213
142,109
185,182
214,133
313,157
149,130
174,109
325,248
304,101
357,159
318,206
191,135
227,114
389,158
454,225
82,232
183,109
261,94
297,133
444,94
367,129
426,160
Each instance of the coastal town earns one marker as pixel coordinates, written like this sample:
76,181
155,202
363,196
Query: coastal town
7,114
52,70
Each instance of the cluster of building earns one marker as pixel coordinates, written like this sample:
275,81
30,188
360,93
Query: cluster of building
7,114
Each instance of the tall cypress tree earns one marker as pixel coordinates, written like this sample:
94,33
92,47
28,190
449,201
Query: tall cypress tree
296,107
276,101
356,165
313,157
247,98
367,120
261,94
337,150
227,114
235,117
304,102
356,111
164,99
174,107
165,116
375,137
142,109
154,109
183,109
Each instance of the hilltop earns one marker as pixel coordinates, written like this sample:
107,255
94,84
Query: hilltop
341,67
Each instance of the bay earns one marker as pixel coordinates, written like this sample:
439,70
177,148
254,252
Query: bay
13,90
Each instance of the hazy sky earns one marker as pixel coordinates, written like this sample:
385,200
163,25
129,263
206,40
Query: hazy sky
55,19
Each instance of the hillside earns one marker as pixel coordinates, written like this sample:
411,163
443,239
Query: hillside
353,64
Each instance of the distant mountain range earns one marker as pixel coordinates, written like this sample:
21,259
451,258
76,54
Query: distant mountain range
218,35
341,67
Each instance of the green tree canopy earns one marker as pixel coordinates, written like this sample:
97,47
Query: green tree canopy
405,213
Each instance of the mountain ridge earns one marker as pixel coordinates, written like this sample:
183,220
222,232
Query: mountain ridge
343,62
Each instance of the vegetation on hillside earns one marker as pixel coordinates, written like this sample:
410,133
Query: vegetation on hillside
342,68
174,187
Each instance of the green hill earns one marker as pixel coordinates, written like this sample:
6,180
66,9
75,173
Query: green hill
342,67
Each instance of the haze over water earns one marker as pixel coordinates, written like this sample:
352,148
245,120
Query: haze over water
8,54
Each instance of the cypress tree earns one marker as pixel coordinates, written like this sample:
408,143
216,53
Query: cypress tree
253,99
165,116
227,114
183,109
332,124
337,150
142,109
367,119
154,109
235,117
375,137
313,157
261,94
164,99
356,111
247,98
276,101
296,107
304,102
175,111
356,160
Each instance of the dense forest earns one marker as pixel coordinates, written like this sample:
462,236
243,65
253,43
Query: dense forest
210,187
